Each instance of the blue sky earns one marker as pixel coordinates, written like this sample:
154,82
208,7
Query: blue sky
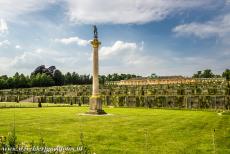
166,37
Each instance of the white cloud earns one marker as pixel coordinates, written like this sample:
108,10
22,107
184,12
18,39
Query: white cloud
4,43
73,40
117,49
4,61
105,11
219,27
128,57
26,62
126,54
130,11
3,26
18,47
120,57
13,8
31,59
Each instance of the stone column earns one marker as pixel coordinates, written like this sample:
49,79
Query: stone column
95,72
95,99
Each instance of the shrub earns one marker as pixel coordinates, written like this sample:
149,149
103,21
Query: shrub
39,104
12,138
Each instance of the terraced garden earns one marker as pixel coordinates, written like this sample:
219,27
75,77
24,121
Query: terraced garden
213,95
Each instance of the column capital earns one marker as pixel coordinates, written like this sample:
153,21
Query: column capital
95,43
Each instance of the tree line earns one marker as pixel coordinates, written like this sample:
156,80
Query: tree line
207,73
59,79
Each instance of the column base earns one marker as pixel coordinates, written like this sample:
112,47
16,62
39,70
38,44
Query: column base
95,103
96,112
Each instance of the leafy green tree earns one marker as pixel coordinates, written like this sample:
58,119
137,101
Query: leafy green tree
153,76
109,77
3,84
4,77
226,74
10,82
102,79
42,80
118,77
16,79
33,80
75,78
85,79
47,80
59,79
197,75
115,77
207,74
23,81
68,78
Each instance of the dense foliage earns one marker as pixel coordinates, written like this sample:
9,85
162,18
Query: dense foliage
59,79
205,74
226,74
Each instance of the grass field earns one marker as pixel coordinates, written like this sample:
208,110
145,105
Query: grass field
127,130
32,105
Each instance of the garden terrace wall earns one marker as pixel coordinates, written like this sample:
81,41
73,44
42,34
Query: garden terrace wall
193,95
160,101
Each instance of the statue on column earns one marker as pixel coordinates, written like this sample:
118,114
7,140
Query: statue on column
95,31
95,42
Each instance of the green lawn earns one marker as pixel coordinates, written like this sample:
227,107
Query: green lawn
32,105
128,130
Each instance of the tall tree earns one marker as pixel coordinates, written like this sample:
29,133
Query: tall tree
75,78
207,74
226,74
68,78
3,84
153,76
10,83
58,78
197,75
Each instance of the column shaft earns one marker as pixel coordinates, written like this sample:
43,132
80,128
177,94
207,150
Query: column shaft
95,72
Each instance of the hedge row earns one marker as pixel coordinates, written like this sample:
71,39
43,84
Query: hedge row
176,89
188,102
129,91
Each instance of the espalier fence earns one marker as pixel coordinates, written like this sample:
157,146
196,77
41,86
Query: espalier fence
211,95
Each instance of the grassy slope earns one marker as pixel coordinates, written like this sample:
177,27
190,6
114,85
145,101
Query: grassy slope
126,131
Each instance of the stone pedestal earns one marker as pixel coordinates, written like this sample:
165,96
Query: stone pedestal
96,106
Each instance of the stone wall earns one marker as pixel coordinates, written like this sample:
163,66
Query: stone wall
206,94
